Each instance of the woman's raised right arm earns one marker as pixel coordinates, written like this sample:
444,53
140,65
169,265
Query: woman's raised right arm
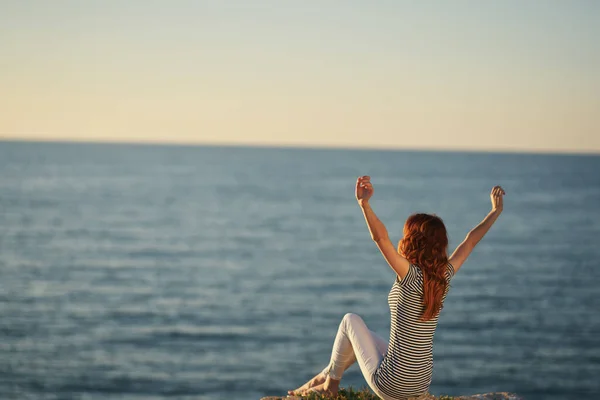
379,233
463,251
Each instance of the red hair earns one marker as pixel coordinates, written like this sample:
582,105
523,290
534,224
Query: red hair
425,244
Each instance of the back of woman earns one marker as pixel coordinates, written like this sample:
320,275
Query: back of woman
406,368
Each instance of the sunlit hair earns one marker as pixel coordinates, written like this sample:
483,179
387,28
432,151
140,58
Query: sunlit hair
425,244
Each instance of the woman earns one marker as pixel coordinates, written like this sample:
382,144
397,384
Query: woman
402,368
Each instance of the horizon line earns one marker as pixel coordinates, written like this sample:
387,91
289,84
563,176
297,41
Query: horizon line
300,146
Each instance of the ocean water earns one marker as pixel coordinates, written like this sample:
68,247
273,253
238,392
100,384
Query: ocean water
155,272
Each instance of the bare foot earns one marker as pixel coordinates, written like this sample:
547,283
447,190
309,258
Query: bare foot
323,390
317,380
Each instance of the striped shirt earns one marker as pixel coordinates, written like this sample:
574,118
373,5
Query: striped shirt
407,367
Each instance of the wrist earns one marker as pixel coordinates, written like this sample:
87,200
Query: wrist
363,202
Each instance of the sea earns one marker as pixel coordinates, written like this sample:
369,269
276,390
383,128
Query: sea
221,273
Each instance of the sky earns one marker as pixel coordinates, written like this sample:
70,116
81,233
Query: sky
451,75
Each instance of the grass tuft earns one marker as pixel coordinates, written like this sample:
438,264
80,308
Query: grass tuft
346,394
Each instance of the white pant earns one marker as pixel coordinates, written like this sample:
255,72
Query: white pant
355,342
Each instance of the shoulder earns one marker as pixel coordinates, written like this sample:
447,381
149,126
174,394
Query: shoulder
450,270
413,276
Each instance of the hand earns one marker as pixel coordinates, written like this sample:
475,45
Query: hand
496,197
364,189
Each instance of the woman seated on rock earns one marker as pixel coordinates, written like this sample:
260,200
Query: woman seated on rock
402,367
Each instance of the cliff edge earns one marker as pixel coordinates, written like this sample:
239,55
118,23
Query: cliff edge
484,396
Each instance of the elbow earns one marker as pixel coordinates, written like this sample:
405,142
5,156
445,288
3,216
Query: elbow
379,238
471,240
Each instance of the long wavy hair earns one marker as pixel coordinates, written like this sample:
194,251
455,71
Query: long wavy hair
425,244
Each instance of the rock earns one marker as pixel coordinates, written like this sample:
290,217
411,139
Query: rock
491,396
485,396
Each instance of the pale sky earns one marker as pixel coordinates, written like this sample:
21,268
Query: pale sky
474,75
